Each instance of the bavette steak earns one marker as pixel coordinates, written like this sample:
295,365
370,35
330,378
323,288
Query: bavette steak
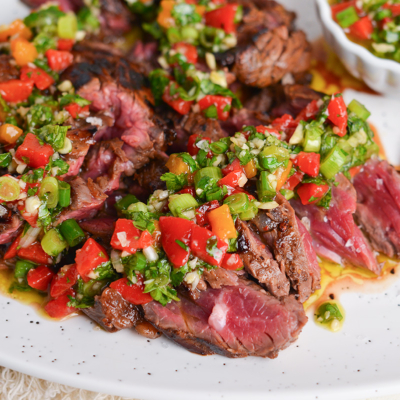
234,321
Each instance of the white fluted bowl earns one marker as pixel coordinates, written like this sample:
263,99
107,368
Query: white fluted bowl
379,74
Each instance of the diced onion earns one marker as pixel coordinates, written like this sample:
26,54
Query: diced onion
150,254
29,237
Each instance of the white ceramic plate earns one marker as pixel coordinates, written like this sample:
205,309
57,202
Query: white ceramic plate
363,360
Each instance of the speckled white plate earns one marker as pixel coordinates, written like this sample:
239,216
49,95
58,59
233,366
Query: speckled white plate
363,360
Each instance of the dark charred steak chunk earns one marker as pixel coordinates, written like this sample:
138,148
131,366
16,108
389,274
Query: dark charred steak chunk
9,227
279,229
234,321
244,117
273,54
259,262
7,70
378,205
103,227
115,17
112,312
148,177
198,124
106,163
336,236
86,200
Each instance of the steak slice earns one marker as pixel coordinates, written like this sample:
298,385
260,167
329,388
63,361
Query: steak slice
335,234
234,321
378,205
259,262
112,312
86,200
106,163
279,229
9,228
273,54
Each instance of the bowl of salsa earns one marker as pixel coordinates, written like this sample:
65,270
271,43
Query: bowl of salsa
366,36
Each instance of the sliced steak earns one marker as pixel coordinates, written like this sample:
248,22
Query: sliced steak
7,69
279,229
106,163
103,226
219,277
272,54
115,18
259,262
148,177
81,140
112,312
378,205
9,228
86,200
196,123
335,234
234,321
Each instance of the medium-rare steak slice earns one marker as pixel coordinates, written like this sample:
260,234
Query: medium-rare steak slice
280,230
234,321
272,54
335,234
112,312
86,200
378,205
10,225
259,262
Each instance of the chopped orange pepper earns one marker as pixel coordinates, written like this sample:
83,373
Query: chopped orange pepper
222,223
200,9
165,18
16,28
354,171
23,51
9,133
177,166
282,175
250,169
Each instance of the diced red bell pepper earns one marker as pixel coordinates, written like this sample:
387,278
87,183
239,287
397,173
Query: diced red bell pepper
201,212
13,249
89,257
175,239
232,179
193,140
310,111
362,29
179,105
41,79
59,60
188,50
286,124
132,293
222,103
33,153
338,115
308,163
395,9
232,261
234,166
65,44
15,90
76,110
35,253
311,193
66,277
189,190
40,277
272,131
223,18
127,237
207,246
293,181
58,308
